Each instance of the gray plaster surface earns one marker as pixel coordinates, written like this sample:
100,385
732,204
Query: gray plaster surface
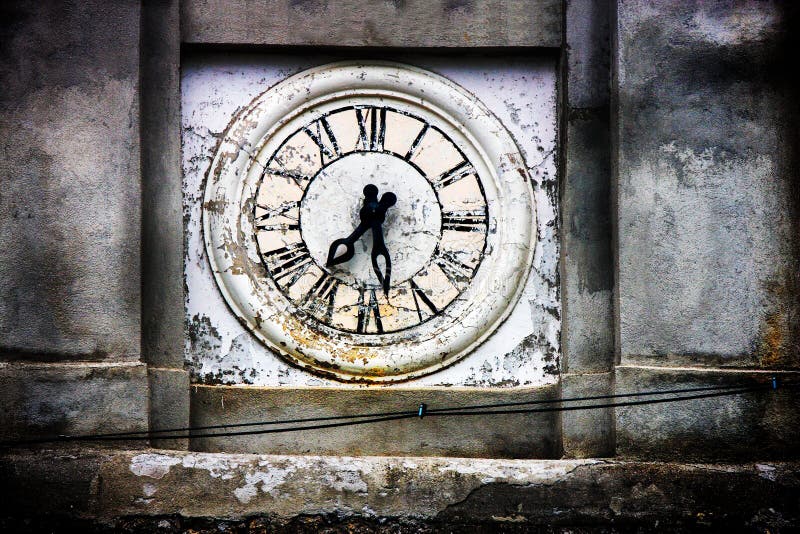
755,424
162,216
165,491
49,399
587,433
519,435
587,263
69,205
707,188
399,23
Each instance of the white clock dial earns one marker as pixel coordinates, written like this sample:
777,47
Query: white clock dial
289,180
310,194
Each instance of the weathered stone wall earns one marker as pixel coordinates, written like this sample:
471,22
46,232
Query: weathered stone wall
680,219
70,211
707,194
705,147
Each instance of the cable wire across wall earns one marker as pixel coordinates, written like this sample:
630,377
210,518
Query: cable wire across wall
420,412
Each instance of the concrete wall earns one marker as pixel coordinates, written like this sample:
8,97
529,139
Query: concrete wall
707,192
705,147
70,205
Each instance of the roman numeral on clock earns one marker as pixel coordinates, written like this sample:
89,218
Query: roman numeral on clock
371,128
324,289
368,312
417,141
289,261
266,221
455,270
321,132
464,220
300,180
453,175
419,296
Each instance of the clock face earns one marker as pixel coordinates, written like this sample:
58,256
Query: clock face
369,222
311,192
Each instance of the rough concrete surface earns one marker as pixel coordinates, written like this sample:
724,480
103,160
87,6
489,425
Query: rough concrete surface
707,193
141,491
401,23
49,399
587,433
761,424
501,436
70,174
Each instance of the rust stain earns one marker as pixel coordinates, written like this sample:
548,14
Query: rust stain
772,341
777,349
214,206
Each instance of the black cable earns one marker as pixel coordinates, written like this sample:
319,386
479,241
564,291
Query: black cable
429,411
606,405
408,415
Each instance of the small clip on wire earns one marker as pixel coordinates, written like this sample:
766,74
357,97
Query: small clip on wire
422,409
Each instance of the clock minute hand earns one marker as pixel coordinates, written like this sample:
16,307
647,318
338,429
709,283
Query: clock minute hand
379,245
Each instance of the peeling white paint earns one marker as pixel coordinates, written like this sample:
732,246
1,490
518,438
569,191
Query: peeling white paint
516,471
266,481
152,465
523,352
217,467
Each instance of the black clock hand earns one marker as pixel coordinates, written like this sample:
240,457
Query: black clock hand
379,245
367,215
348,243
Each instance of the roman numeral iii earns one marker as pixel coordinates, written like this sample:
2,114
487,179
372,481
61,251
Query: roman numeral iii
465,220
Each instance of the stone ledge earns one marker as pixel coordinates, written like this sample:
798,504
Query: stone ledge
110,488
46,399
414,23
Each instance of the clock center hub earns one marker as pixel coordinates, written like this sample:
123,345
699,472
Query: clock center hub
330,209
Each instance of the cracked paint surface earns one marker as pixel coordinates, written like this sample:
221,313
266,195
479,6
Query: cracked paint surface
347,484
522,352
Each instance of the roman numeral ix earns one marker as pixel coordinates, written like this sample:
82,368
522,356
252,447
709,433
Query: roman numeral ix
266,221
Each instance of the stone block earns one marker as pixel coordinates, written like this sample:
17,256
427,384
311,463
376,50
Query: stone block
587,433
404,23
169,404
494,436
166,491
750,426
70,204
45,400
707,189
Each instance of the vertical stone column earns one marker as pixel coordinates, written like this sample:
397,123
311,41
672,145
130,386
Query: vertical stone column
707,221
162,219
70,328
587,264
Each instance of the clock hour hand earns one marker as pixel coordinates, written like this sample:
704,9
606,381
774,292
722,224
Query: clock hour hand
348,243
379,245
367,215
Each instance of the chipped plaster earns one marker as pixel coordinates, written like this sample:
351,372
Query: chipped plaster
522,352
